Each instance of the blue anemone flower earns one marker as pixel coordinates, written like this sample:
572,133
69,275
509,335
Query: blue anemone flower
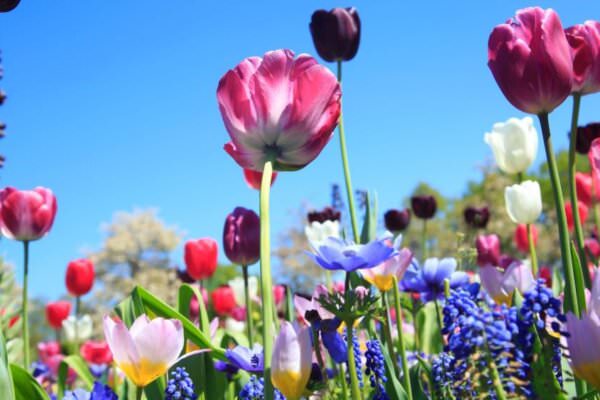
337,254
333,341
428,280
250,360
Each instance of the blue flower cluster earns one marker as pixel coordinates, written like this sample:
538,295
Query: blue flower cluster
254,389
180,386
375,369
442,372
357,359
99,392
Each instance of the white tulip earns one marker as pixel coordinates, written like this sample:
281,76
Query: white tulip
317,232
234,326
514,143
237,285
523,202
77,329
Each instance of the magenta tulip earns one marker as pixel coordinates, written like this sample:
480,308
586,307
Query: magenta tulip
585,42
488,250
278,108
531,61
26,215
241,236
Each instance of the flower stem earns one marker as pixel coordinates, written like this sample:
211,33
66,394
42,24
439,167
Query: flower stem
424,241
573,191
249,326
388,331
532,253
265,277
355,387
24,313
346,166
139,392
401,346
571,301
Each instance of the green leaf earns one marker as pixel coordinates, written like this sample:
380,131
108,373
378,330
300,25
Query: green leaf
392,386
156,389
430,338
417,381
183,305
557,282
543,380
80,367
579,283
25,386
6,384
369,228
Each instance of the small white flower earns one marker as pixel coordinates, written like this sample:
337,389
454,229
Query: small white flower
317,232
77,330
523,202
237,285
514,144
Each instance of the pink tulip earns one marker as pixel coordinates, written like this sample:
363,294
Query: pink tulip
278,108
583,185
582,210
26,215
488,250
501,285
584,40
531,61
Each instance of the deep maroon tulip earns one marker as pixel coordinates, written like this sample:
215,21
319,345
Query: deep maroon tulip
241,236
326,214
488,250
424,207
183,276
8,5
201,258
57,312
26,215
531,61
397,220
79,278
584,39
336,33
477,217
585,136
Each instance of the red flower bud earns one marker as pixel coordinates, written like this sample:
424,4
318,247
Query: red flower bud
80,277
201,258
241,236
26,214
96,352
521,240
278,294
584,40
223,300
254,178
583,213
546,274
57,312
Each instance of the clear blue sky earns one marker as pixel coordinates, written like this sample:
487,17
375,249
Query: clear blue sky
112,105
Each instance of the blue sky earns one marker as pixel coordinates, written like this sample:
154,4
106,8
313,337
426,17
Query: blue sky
112,105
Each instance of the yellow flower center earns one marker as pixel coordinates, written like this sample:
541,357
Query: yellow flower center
382,282
590,372
145,372
288,383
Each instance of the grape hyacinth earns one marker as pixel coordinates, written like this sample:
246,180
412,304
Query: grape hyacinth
442,372
254,389
375,369
180,386
357,359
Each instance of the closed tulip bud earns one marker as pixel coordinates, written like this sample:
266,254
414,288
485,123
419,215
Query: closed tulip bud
583,213
291,362
523,202
585,136
223,300
26,215
477,217
592,247
279,294
201,258
80,277
546,274
488,250
77,329
531,61
241,237
584,40
96,352
57,312
336,33
397,220
521,238
584,186
501,285
254,178
514,144
195,305
326,214
8,5
424,207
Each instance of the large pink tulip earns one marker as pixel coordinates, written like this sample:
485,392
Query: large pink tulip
585,42
531,61
278,108
26,215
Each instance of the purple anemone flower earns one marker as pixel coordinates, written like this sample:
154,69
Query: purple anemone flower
428,280
250,360
338,254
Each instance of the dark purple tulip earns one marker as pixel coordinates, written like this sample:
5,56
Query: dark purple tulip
183,276
8,5
336,33
241,236
326,214
488,250
585,136
477,217
424,207
397,220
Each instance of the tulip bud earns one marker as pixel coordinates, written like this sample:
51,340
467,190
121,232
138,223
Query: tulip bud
239,293
397,220
514,144
488,250
241,237
254,178
583,213
584,40
583,186
57,312
8,5
26,215
279,294
592,247
327,214
585,136
80,277
96,352
183,276
546,274
521,239
523,202
291,362
223,300
424,207
501,285
336,33
477,218
201,258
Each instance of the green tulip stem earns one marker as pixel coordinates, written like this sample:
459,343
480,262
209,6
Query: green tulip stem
401,344
265,277
249,327
345,164
139,392
354,385
424,241
532,253
24,313
388,330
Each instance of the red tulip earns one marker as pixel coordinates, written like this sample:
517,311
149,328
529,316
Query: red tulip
201,258
57,312
46,350
531,61
278,294
592,247
254,178
584,39
80,277
583,213
278,107
488,250
239,314
223,300
521,240
594,158
26,215
241,236
583,184
546,274
96,352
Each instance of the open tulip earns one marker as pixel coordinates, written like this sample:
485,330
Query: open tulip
96,352
201,258
26,215
581,208
531,61
521,238
278,108
291,363
241,236
80,276
336,33
57,312
523,202
382,276
488,250
514,144
254,178
584,39
501,285
147,350
317,232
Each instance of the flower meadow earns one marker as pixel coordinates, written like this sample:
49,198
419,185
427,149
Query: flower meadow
390,318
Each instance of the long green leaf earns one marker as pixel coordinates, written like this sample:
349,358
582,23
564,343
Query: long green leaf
80,367
369,228
579,282
25,386
185,295
427,328
543,380
6,384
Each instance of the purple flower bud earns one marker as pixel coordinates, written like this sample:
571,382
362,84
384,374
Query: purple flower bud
336,33
8,5
477,217
585,136
424,207
488,250
397,220
241,236
361,292
326,214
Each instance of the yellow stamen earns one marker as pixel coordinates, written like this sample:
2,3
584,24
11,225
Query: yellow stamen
143,373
